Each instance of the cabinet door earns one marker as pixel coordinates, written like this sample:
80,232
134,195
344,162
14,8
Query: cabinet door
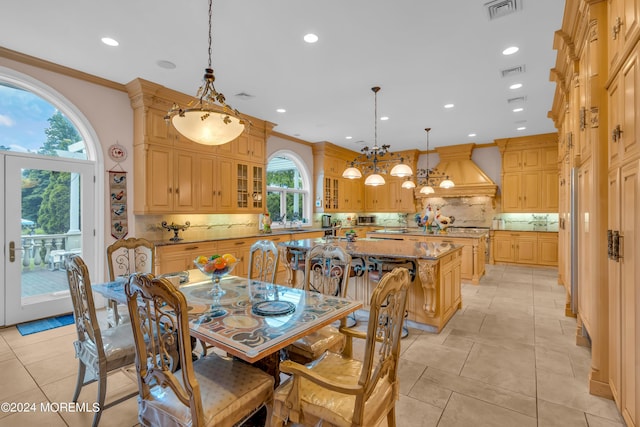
616,112
257,187
615,298
549,194
547,248
511,197
206,184
512,161
629,141
503,247
215,188
531,191
184,179
160,179
532,159
527,249
240,250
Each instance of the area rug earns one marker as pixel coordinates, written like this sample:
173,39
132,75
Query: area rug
29,328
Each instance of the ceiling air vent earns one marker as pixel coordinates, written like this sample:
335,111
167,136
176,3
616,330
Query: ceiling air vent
244,96
499,8
513,71
517,100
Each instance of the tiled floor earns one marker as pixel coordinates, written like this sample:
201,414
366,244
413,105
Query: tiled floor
508,358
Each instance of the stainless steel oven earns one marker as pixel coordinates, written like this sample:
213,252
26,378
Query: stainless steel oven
366,220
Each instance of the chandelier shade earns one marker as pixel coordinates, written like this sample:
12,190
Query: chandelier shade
352,173
408,184
210,121
374,180
429,177
375,160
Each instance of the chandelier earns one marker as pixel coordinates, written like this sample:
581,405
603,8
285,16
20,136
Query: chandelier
375,160
211,121
429,177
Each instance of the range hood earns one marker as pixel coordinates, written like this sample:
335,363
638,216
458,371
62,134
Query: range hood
455,161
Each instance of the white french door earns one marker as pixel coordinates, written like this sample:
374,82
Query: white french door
35,283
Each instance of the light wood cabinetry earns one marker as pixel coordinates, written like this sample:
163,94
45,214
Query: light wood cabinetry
179,257
530,173
376,199
623,18
174,174
400,199
526,247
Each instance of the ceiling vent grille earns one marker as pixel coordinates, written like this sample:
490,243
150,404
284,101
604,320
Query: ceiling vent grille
513,71
518,100
500,8
244,95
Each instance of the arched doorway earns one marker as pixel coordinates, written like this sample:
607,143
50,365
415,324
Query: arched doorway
51,205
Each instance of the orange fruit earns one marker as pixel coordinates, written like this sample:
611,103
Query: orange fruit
209,267
201,259
229,258
219,263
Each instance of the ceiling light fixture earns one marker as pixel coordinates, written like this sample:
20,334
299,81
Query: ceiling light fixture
109,41
429,177
448,106
281,110
310,38
375,159
510,50
211,121
515,86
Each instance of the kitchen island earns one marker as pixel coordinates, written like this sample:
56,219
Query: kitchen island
434,294
472,240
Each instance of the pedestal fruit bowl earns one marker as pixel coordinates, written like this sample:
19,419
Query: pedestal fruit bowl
216,267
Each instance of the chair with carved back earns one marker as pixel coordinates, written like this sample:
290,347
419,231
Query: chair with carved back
326,270
340,390
99,352
125,257
211,391
263,261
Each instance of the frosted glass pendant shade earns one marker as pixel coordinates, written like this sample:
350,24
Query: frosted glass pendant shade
427,189
208,127
352,173
374,180
401,170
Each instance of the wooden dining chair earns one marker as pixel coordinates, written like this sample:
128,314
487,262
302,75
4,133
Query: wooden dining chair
98,352
326,270
211,391
263,261
343,391
124,257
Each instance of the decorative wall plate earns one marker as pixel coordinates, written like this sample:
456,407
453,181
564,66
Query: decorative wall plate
117,153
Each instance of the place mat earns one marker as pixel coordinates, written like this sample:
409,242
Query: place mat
273,308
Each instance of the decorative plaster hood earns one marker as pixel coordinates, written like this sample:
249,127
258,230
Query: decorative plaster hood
455,161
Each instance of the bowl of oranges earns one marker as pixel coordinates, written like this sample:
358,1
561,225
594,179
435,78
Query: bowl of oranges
216,266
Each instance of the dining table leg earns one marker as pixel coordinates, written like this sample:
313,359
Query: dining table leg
271,365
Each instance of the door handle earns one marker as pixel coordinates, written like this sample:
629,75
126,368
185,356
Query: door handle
12,251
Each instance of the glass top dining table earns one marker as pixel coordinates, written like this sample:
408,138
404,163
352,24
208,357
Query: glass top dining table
247,322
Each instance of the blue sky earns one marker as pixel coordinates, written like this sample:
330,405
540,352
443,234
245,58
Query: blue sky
23,119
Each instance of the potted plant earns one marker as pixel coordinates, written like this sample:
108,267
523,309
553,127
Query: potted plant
351,235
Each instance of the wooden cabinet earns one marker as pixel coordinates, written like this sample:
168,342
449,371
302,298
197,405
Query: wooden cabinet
169,178
530,174
215,188
239,248
548,248
180,256
623,24
623,121
352,195
376,198
527,247
174,174
400,199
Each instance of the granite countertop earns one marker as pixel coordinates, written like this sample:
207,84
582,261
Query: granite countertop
226,234
553,228
414,231
382,248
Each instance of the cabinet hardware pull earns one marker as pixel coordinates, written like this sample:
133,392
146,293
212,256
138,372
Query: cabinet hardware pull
616,133
239,243
169,190
615,254
190,248
610,244
616,28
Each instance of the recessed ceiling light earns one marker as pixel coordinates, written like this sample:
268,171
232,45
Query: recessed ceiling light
384,118
521,128
166,64
517,110
348,137
515,86
281,110
471,135
510,50
310,38
448,105
109,41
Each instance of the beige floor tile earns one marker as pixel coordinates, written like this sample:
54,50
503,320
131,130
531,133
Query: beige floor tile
43,350
572,393
415,413
436,355
28,401
47,418
408,373
473,388
506,368
45,373
15,340
554,361
15,379
595,421
553,415
463,411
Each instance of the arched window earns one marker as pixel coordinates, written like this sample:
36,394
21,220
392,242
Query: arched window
288,183
30,124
